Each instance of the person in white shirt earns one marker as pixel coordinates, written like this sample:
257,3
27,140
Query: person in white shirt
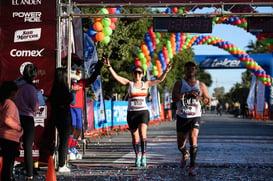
188,94
138,114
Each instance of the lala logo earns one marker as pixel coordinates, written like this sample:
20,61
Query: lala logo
27,35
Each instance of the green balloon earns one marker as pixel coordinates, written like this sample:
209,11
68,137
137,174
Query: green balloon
107,31
103,11
180,11
144,66
106,22
155,72
244,25
141,55
158,35
143,60
106,40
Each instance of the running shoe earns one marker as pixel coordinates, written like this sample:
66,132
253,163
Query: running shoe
138,158
143,161
64,169
77,153
184,159
72,155
192,171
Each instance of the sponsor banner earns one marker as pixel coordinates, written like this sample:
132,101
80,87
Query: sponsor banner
100,116
29,43
28,35
251,95
167,2
167,99
218,61
116,113
27,11
260,97
229,61
155,102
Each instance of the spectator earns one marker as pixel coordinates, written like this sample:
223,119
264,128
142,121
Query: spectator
60,99
10,128
27,103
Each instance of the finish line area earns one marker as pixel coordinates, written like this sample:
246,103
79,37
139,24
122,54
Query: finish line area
112,158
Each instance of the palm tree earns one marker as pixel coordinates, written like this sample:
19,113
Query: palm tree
258,47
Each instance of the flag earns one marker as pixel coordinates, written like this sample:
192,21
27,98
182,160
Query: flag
77,25
90,62
260,97
251,95
154,95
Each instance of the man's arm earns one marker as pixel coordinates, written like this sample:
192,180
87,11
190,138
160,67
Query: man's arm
205,94
176,96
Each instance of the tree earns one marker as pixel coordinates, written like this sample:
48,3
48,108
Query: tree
257,47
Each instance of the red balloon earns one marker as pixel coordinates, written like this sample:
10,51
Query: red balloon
137,63
114,19
111,10
112,26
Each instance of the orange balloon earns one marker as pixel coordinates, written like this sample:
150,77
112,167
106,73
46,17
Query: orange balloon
98,26
100,36
148,58
144,47
157,63
98,19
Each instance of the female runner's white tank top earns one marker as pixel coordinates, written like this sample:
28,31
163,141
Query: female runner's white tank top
189,107
137,97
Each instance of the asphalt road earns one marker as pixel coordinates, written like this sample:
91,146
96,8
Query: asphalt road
229,148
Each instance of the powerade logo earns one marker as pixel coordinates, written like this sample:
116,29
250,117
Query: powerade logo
26,53
26,2
27,35
31,17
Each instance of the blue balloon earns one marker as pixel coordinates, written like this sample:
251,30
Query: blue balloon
91,32
149,44
168,10
118,10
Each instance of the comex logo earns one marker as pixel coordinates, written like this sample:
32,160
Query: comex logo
28,16
27,35
26,53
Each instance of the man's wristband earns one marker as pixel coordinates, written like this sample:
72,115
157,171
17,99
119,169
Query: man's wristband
108,67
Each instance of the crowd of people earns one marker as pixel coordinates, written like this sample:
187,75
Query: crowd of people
19,102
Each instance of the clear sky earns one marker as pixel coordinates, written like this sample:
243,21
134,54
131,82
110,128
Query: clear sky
238,36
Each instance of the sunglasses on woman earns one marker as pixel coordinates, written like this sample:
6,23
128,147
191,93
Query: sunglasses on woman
138,72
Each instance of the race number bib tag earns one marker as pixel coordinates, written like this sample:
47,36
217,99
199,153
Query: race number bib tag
137,102
189,110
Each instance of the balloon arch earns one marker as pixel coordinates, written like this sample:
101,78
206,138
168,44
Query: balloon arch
102,29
